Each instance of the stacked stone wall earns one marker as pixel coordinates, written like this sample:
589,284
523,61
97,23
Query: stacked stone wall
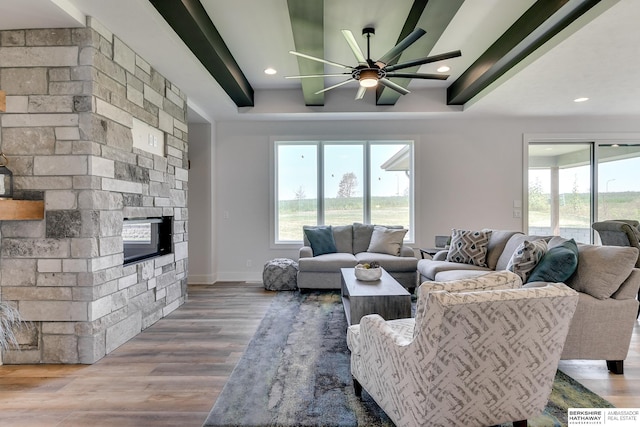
72,95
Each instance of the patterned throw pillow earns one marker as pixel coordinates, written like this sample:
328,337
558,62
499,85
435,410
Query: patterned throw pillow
469,247
526,257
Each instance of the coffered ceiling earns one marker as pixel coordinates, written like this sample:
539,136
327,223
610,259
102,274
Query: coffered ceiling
519,57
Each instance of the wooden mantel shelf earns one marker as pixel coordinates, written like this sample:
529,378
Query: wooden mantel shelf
21,209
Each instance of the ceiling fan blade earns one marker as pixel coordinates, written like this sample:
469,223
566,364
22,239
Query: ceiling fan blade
427,60
397,49
313,58
420,76
361,91
316,75
392,85
355,48
334,86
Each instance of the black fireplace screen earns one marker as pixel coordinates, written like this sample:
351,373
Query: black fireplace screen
145,238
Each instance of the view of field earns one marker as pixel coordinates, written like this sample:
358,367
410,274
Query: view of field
575,208
293,214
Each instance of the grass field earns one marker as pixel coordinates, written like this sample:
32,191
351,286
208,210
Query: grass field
293,214
575,209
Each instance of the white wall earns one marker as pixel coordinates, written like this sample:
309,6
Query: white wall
468,174
202,233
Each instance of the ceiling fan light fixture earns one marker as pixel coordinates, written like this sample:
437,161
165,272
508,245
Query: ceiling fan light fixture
368,78
443,69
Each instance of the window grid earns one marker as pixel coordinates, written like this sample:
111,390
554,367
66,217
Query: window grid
321,191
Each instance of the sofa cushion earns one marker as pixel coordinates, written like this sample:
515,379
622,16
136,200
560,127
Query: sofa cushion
429,268
343,236
391,263
320,238
386,240
526,257
510,248
327,262
602,269
469,247
558,264
497,242
361,237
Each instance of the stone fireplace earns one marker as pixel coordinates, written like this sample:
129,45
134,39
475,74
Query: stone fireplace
73,96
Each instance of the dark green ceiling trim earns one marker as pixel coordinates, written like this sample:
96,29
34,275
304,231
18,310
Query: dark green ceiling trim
536,26
190,21
307,23
433,16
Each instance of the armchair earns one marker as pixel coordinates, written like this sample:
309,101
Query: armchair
469,358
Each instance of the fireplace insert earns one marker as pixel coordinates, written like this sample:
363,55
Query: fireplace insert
145,238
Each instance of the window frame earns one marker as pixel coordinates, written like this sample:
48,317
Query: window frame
595,139
320,143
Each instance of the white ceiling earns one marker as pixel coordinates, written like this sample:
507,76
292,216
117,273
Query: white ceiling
598,57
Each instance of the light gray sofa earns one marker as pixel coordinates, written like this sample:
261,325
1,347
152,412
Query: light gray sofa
352,242
606,280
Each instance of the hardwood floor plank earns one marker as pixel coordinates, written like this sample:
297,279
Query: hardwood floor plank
168,375
171,373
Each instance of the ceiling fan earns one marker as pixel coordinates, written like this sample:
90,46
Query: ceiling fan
369,73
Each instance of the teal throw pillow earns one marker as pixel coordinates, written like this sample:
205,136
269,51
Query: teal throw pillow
321,239
558,264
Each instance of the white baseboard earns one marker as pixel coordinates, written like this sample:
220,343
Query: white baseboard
240,276
201,279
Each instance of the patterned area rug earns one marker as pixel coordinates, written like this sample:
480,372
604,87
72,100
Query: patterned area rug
295,372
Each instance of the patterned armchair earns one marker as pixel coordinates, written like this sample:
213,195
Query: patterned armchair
468,358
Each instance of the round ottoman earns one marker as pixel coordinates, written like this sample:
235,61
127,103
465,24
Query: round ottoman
280,275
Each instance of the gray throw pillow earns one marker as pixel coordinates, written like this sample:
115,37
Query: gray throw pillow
386,240
602,269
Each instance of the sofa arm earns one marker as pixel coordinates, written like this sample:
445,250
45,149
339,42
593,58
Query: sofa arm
630,287
441,255
407,251
305,252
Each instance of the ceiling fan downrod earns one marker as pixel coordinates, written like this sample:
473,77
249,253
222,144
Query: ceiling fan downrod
368,32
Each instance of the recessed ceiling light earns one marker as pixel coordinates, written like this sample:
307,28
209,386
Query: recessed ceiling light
443,69
581,99
270,71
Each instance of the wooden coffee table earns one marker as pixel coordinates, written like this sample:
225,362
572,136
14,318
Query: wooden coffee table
385,297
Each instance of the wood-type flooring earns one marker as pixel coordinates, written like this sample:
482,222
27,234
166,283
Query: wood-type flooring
171,373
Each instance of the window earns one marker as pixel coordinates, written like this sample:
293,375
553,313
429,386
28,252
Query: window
572,185
341,182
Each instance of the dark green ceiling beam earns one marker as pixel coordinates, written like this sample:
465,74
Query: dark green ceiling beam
190,21
433,16
307,23
536,26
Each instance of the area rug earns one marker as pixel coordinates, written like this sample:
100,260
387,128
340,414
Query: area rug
295,372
